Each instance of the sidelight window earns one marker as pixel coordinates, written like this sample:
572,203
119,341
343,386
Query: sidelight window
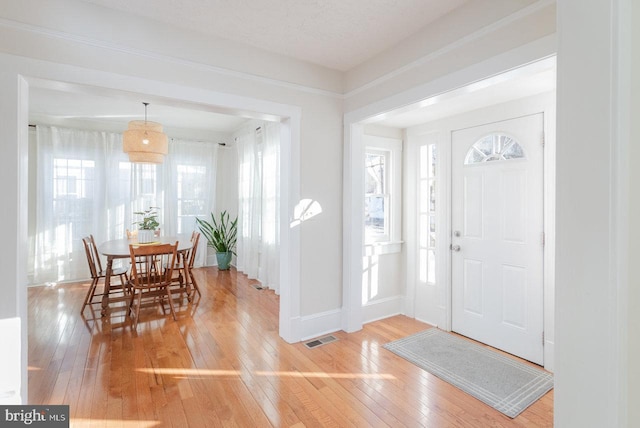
427,213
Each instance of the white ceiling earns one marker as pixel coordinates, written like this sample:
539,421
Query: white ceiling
337,34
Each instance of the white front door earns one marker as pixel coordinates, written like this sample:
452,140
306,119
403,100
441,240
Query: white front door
497,235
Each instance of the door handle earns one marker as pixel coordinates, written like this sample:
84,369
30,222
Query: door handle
455,248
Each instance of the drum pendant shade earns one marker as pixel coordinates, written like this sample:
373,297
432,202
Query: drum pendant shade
144,141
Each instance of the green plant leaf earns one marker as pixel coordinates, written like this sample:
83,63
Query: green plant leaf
220,233
149,219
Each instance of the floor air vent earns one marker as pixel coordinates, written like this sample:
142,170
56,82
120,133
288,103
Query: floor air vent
319,342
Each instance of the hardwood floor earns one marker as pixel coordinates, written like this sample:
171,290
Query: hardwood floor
222,363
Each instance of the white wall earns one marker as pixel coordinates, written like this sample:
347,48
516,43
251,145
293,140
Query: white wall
432,303
595,371
633,239
13,226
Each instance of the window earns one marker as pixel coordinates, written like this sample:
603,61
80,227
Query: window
146,184
382,191
73,189
494,147
376,183
119,216
427,213
192,194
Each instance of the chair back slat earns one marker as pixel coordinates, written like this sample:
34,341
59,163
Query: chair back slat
96,254
195,238
152,265
91,254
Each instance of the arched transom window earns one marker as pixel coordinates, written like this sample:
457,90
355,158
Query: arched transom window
494,147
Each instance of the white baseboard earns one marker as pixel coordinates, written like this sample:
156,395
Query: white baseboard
431,323
383,308
320,324
317,325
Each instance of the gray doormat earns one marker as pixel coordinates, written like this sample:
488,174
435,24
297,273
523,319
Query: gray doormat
503,383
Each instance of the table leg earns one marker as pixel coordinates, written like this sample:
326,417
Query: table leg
194,284
187,278
107,287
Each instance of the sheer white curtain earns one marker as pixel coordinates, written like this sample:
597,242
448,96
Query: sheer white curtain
248,247
144,185
73,198
258,206
189,186
269,273
85,184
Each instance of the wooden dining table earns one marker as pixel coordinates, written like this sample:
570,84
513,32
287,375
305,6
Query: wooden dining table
119,249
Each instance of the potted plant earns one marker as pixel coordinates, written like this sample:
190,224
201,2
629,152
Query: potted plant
147,226
221,236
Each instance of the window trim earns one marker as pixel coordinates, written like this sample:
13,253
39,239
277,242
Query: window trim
386,154
391,240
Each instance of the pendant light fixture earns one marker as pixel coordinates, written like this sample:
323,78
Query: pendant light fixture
144,141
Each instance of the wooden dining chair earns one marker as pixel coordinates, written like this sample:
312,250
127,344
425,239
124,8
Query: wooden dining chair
97,273
186,260
152,268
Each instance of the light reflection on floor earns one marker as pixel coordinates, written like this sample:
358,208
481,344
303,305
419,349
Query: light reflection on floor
232,373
